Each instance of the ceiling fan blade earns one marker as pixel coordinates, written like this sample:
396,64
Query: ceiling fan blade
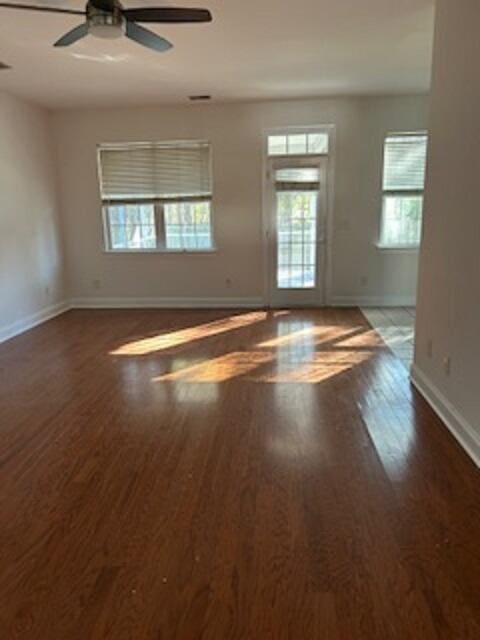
147,38
167,14
34,7
72,36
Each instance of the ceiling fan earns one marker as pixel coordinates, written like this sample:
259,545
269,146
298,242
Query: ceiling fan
108,19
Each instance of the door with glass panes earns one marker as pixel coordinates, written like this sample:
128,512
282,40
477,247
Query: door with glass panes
296,230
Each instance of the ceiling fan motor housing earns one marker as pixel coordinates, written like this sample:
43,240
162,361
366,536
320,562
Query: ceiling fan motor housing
106,24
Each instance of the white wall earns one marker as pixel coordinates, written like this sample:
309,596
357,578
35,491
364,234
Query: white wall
361,273
31,268
449,282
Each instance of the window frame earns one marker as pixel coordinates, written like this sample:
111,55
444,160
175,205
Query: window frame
385,193
158,210
160,231
288,131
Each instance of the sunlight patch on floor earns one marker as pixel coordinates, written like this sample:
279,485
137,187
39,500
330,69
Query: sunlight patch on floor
300,352
319,367
220,369
311,368
314,335
146,346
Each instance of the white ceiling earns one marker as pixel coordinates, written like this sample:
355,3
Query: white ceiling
254,49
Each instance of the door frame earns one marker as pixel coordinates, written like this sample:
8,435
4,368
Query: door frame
324,265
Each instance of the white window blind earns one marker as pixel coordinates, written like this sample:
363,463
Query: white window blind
178,171
297,179
404,163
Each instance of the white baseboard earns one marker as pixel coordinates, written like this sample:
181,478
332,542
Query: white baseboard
460,428
24,324
167,303
373,301
226,303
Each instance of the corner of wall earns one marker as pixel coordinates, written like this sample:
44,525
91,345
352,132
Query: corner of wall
31,245
29,322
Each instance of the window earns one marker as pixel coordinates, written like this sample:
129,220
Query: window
309,143
156,197
403,184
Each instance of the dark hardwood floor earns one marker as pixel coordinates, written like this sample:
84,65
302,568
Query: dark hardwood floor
228,475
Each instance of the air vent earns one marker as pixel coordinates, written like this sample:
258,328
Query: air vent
4,66
199,98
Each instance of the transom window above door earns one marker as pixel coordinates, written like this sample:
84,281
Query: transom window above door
156,196
303,143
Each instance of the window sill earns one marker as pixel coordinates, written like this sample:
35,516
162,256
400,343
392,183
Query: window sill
189,252
398,247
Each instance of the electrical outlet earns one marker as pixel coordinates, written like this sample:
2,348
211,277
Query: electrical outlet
429,347
447,365
364,281
96,284
228,282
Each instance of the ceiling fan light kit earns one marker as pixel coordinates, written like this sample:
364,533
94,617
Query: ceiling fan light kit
108,19
108,26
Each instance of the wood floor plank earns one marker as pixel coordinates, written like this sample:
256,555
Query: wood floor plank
227,474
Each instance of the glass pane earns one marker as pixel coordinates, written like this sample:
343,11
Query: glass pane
201,217
300,174
283,277
277,145
132,237
309,254
308,276
132,226
118,237
204,241
189,241
132,215
172,214
296,239
188,225
296,256
401,220
147,214
186,214
117,214
318,143
297,143
174,241
309,230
